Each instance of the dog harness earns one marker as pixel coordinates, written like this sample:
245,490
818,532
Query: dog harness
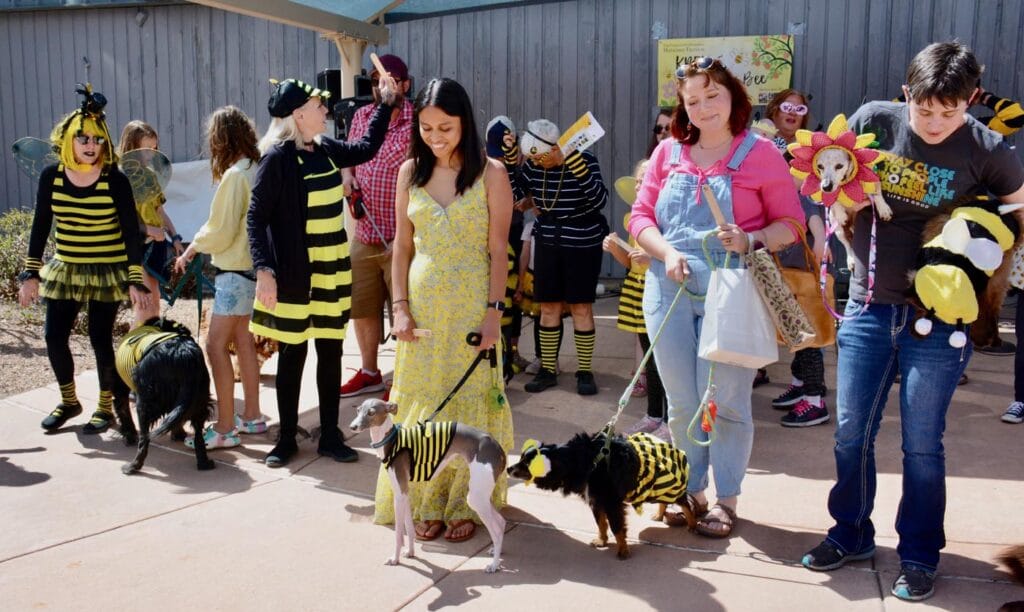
134,347
427,444
663,471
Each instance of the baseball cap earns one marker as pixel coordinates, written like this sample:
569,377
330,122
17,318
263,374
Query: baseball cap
395,67
290,94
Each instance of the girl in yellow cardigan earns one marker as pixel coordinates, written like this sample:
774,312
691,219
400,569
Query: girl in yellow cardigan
231,138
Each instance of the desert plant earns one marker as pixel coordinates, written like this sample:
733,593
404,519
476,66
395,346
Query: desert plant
15,226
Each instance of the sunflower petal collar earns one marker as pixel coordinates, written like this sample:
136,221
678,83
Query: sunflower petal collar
809,144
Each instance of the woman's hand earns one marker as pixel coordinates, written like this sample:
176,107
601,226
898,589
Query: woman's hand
676,267
404,323
140,297
266,289
28,292
388,89
184,259
490,329
639,259
155,233
733,238
177,246
607,243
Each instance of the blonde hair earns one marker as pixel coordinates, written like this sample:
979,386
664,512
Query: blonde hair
72,125
282,129
230,136
133,134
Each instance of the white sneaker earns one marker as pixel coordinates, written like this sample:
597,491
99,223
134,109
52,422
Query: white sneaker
1014,414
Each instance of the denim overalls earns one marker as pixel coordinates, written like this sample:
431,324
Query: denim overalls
684,218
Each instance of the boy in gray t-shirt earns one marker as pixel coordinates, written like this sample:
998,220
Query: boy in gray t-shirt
937,154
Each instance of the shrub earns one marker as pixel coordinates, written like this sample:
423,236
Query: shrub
15,226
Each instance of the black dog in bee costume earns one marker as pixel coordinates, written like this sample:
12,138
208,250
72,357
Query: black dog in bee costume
960,277
163,364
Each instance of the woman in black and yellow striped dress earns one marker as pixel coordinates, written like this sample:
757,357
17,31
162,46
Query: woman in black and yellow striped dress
300,251
97,255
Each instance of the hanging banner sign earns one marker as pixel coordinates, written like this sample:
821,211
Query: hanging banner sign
763,63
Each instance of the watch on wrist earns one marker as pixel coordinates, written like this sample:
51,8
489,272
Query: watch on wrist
498,305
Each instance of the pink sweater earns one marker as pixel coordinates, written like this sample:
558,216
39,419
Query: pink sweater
762,188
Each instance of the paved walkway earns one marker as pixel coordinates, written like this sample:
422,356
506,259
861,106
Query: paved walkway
78,535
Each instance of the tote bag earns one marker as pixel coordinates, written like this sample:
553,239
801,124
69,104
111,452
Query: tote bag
737,328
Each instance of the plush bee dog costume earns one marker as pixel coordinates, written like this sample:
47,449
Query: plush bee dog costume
955,266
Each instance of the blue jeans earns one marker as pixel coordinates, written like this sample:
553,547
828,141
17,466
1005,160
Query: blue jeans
685,377
872,348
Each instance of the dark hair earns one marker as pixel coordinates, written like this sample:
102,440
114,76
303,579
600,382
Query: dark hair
773,107
711,70
946,71
653,142
448,96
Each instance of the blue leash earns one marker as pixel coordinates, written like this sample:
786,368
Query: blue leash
193,270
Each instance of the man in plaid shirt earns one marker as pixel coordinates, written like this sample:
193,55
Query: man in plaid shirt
370,253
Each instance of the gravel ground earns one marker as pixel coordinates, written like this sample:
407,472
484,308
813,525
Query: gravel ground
23,361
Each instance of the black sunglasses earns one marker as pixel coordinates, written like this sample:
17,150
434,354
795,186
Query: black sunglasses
697,65
660,128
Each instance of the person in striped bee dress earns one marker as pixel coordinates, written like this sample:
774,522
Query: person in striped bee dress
97,261
300,251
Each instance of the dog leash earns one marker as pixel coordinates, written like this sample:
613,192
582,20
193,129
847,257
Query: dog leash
194,268
830,230
472,339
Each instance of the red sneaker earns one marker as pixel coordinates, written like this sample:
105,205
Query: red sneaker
361,383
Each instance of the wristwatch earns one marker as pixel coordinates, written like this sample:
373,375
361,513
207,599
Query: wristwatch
497,305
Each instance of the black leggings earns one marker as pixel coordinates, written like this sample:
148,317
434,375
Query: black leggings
60,319
291,360
657,405
809,366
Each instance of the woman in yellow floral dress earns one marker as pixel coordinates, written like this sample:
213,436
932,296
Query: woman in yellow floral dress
453,210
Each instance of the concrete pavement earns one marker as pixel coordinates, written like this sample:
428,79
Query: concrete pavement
81,536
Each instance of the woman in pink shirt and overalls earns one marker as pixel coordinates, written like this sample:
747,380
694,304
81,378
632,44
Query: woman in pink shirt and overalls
710,145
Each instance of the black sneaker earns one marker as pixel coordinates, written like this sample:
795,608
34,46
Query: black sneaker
585,384
545,379
761,378
99,422
339,451
913,584
1001,348
281,454
791,396
806,414
825,557
60,415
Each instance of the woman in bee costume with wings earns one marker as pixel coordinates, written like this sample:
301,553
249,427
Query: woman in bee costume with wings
96,263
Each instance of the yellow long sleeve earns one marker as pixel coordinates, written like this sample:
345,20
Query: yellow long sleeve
224,235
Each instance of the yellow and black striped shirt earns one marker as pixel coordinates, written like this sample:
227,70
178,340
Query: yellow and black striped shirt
427,443
663,471
96,224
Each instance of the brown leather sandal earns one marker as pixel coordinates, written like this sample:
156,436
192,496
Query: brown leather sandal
712,526
695,509
429,530
457,525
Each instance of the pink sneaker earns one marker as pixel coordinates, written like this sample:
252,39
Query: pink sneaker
663,433
640,390
644,425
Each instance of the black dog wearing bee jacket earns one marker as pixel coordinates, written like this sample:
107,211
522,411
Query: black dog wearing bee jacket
163,364
637,469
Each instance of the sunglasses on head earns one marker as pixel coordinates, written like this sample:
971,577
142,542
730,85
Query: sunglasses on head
795,109
83,139
698,65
